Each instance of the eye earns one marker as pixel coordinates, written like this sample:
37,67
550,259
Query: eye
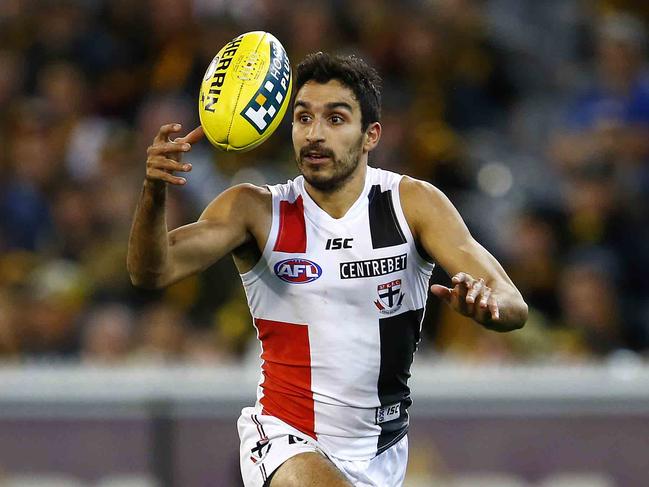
336,119
303,118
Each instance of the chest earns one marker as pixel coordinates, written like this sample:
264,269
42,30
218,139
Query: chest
341,263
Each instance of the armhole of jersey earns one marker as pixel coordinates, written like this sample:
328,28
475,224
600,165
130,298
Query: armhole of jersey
260,267
425,265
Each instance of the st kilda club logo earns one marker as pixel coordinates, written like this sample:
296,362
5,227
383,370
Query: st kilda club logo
261,449
390,297
297,271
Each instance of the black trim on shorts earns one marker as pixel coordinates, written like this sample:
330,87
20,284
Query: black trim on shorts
384,224
270,477
260,427
399,335
262,436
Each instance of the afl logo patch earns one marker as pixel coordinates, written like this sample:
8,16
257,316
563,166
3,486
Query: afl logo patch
297,271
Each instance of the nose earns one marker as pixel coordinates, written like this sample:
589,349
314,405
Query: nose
315,132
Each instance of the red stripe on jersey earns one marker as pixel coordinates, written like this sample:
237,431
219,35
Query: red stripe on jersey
287,373
292,229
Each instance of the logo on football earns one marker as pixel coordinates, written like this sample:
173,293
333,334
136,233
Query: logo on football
245,92
297,271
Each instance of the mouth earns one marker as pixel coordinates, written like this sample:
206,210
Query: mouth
316,157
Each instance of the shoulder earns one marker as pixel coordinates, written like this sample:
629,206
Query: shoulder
383,178
425,204
240,200
413,192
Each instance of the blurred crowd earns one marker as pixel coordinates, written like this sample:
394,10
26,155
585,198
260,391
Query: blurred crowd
533,117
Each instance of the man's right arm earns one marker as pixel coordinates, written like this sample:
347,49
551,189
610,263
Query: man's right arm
156,257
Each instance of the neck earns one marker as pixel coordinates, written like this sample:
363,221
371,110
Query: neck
338,201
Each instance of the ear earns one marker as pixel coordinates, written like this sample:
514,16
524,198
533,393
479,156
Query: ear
371,136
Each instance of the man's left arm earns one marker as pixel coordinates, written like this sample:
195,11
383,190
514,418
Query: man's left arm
481,290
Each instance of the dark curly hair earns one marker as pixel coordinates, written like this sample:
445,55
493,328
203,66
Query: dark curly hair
352,72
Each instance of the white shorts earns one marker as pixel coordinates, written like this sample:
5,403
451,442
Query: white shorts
267,442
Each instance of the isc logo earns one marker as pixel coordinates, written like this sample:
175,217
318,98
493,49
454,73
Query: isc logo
297,271
339,243
388,413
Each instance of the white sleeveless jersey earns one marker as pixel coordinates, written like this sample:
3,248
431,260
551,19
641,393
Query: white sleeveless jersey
338,305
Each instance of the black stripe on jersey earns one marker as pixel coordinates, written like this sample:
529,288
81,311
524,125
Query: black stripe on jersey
399,338
384,225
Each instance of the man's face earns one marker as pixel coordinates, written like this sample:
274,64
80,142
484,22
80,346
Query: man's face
327,135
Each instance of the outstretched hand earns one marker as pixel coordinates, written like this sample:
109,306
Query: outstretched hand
164,154
469,297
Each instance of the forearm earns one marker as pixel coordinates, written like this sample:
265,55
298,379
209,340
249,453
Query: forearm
148,243
481,289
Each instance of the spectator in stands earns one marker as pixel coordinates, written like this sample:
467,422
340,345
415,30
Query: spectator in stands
107,335
84,86
161,335
592,325
534,247
10,346
610,119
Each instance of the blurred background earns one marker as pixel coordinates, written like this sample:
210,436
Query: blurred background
533,117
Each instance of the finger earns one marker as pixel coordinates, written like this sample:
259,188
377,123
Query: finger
458,278
442,292
160,162
458,298
165,131
462,277
484,299
157,174
493,308
475,290
461,289
168,148
193,136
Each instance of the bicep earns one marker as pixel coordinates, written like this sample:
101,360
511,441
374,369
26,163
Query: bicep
194,247
221,228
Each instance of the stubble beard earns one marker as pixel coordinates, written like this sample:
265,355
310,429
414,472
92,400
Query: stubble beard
343,168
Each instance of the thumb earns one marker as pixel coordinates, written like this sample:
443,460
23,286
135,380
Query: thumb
442,292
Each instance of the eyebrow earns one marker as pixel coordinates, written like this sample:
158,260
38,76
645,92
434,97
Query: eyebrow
329,106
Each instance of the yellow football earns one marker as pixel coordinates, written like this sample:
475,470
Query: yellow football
245,92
